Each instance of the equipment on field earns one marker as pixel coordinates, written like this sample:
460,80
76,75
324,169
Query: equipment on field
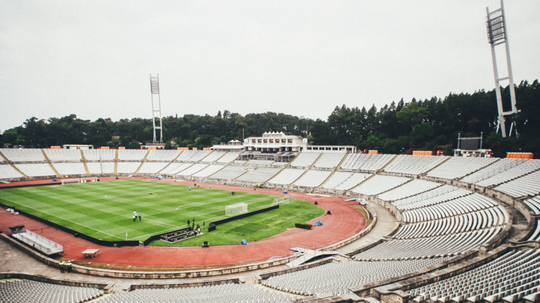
236,209
79,180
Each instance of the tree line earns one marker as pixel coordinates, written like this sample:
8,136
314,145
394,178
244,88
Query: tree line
401,127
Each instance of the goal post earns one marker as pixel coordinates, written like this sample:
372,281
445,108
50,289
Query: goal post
236,209
71,181
281,200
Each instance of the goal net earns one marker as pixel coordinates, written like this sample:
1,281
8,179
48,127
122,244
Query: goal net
236,209
78,180
71,181
281,200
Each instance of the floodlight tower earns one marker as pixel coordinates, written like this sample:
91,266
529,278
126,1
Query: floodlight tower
156,103
497,34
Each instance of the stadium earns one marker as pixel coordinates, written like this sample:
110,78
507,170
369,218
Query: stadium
366,206
432,227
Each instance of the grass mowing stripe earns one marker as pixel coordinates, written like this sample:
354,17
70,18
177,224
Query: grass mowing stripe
106,209
67,220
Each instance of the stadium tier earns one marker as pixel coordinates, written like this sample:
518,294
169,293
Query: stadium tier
448,210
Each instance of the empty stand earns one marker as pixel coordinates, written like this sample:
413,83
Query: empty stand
329,160
414,165
305,160
23,154
379,184
63,155
287,176
458,167
408,189
33,291
312,178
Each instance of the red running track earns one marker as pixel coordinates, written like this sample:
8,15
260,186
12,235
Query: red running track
344,222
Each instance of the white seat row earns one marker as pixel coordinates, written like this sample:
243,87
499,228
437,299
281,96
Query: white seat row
312,178
99,154
162,155
131,154
69,169
213,156
208,171
36,170
337,278
305,160
60,155
527,185
229,173
510,277
33,291
366,162
152,167
445,245
435,196
378,184
23,154
258,175
175,168
228,157
414,165
8,172
127,167
191,170
286,176
329,160
204,294
457,167
408,189
503,173
100,168
192,155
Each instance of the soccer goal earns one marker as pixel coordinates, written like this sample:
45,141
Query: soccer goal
281,200
236,209
71,181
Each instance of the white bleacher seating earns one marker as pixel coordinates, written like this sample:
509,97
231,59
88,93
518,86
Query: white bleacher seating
414,165
435,196
152,167
62,155
304,160
510,277
70,168
192,155
223,293
192,170
337,278
207,171
409,189
458,167
312,178
8,172
175,168
329,160
99,154
127,167
23,154
100,168
524,186
33,291
259,175
366,162
262,163
228,158
213,156
287,176
229,173
336,179
36,170
132,154
379,184
506,171
162,155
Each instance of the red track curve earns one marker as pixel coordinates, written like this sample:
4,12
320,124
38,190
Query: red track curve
342,224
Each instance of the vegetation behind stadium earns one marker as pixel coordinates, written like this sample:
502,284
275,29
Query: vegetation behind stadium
429,124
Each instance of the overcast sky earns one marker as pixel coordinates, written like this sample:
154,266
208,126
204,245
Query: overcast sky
304,58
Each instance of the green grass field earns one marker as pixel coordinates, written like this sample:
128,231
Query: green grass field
104,210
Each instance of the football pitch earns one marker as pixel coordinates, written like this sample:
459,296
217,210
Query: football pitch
104,210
